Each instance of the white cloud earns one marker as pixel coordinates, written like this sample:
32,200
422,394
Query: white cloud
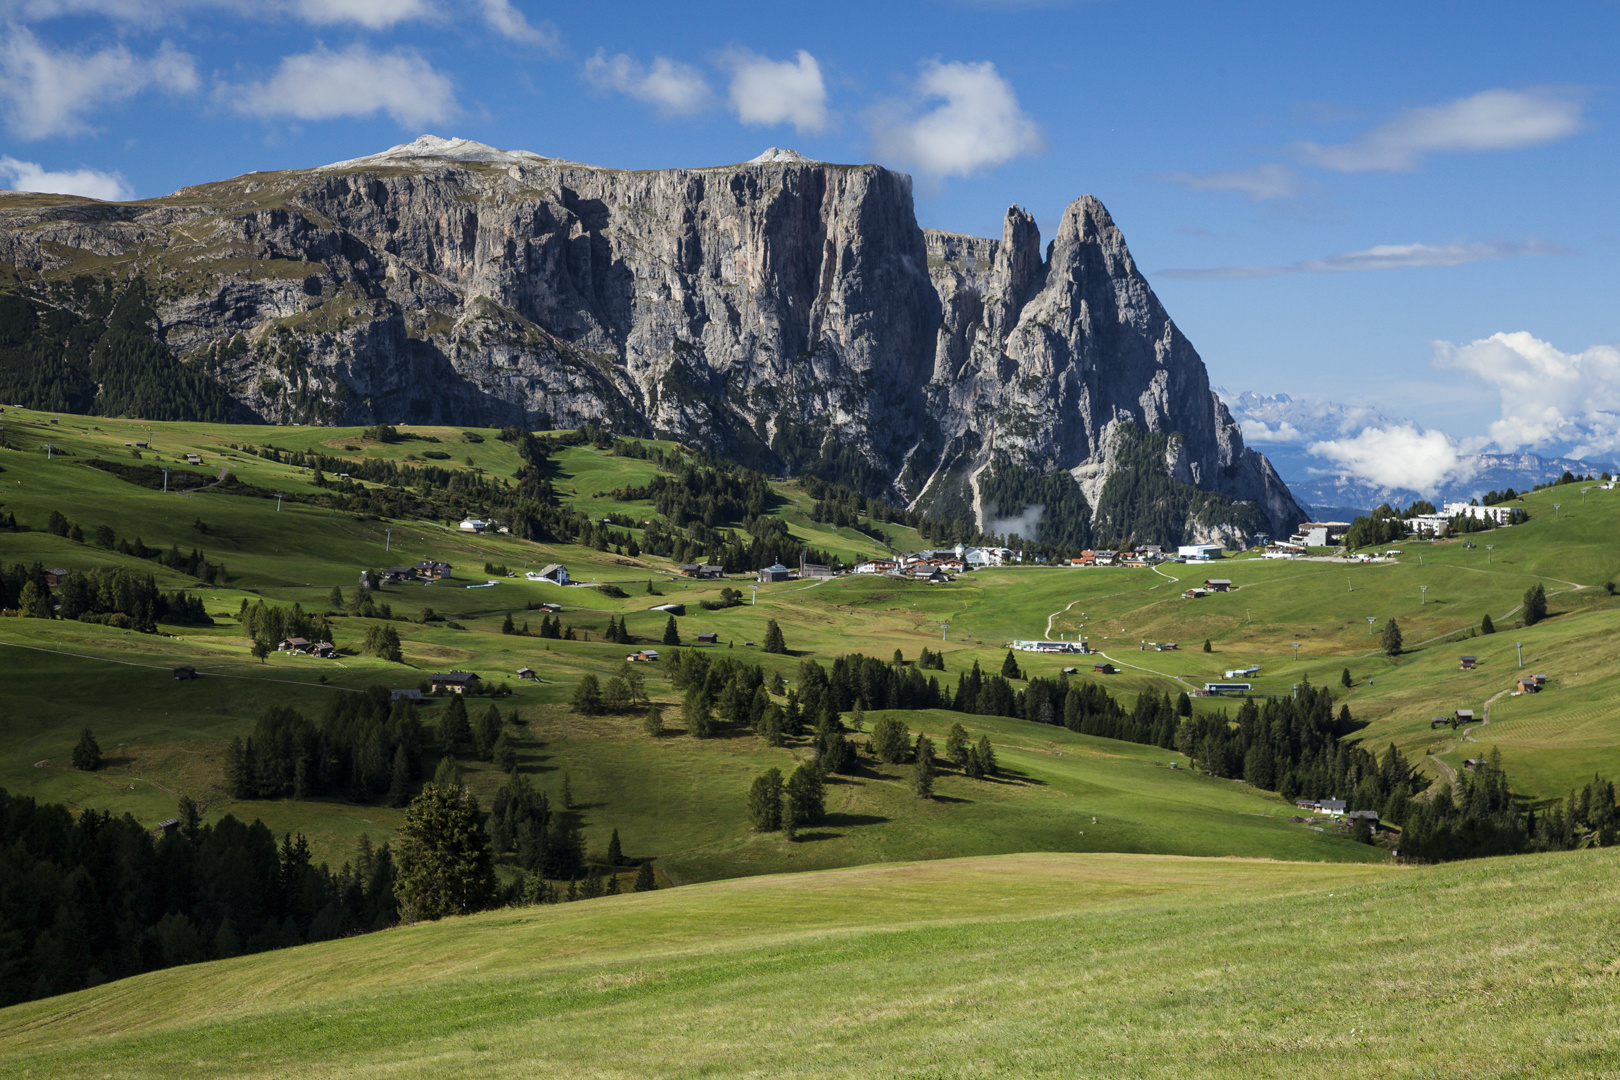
765,91
1400,456
1258,431
509,22
91,183
325,85
1489,120
1384,257
46,92
1571,400
962,118
1261,183
372,14
673,88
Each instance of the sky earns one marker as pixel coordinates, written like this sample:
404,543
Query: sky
1407,207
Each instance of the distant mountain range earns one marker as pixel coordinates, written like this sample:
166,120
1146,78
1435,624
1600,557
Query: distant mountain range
1287,428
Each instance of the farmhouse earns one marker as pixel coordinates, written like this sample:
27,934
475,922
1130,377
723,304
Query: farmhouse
701,570
527,673
399,573
556,573
1528,685
1194,594
457,682
54,576
293,644
1219,584
708,639
323,649
773,573
472,525
1468,663
1438,721
428,570
877,566
1331,807
645,656
1104,669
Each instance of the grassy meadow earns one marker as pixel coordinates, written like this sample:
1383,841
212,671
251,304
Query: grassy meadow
1098,965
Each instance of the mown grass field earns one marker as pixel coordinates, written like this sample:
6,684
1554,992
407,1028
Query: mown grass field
681,799
1027,965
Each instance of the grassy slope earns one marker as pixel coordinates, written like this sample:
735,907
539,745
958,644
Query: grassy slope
1062,965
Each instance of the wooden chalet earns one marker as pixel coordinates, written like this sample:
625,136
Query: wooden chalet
527,673
428,570
1467,663
708,639
455,682
412,695
54,576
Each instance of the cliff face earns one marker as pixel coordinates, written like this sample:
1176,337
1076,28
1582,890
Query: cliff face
783,312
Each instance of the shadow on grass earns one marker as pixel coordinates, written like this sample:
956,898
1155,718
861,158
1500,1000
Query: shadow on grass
849,821
812,837
949,799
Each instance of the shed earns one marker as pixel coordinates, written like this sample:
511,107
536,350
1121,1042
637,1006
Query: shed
1103,669
1465,716
170,826
455,681
1528,685
527,673
405,695
1438,721
1219,584
54,576
1468,662
708,639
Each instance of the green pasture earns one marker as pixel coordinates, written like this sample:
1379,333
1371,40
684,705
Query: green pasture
1023,965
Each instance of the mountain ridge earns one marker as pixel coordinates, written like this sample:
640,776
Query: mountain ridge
783,312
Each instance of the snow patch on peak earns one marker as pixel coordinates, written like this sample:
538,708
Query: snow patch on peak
777,155
432,146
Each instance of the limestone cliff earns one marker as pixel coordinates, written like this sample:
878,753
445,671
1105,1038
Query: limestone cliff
785,312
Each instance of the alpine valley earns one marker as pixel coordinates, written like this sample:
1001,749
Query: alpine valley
785,313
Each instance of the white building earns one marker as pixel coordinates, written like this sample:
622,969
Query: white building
1501,515
473,525
1200,551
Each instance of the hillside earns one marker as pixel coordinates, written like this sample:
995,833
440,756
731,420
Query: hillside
786,314
1034,965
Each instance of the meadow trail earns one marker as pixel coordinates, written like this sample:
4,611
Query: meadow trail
170,667
218,480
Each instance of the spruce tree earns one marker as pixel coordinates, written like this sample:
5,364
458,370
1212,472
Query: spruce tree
672,633
986,755
957,747
1486,626
611,888
1183,705
454,729
444,860
765,801
486,731
1206,646
1344,679
507,626
588,695
505,753
696,714
615,853
335,600
447,774
1009,667
654,722
774,642
1390,638
399,779
1535,604
807,795
922,771
646,880
857,717
87,754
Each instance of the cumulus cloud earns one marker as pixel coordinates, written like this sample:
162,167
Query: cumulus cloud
326,85
1383,257
765,91
91,183
1549,397
1262,183
1489,120
672,88
1400,456
509,22
372,14
47,92
962,118
1258,431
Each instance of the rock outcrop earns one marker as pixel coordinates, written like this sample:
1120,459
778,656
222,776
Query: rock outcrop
784,312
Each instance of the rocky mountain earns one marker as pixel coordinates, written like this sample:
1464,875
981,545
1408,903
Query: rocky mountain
784,312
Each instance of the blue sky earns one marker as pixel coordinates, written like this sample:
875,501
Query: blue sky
1400,205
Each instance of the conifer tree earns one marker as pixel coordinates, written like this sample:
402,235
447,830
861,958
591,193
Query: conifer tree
1345,680
654,722
335,600
588,695
1486,626
615,853
399,779
1206,646
806,793
1009,667
889,740
957,747
1389,639
1184,705
857,717
765,801
447,774
696,714
774,642
672,633
646,880
454,730
507,626
87,754
922,771
612,886
505,753
1535,604
986,756
444,861
486,731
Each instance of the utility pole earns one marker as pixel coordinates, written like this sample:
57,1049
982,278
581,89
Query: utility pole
943,627
278,502
1424,589
1555,510
1370,620
165,481
388,545
1296,652
1520,646
1488,549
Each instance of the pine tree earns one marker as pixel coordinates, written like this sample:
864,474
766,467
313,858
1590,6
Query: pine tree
654,722
87,754
1009,667
857,717
956,745
1390,638
588,695
1344,679
507,626
986,756
505,754
646,880
1206,646
806,794
765,801
922,771
1486,626
1535,604
447,774
1184,705
774,642
335,600
454,730
444,861
615,853
696,714
612,886
399,779
672,633
486,731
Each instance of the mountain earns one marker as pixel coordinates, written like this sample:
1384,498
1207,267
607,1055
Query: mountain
1288,427
783,312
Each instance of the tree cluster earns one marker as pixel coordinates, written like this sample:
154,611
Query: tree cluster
365,748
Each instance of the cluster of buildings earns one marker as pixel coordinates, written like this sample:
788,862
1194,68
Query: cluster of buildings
1336,808
297,646
426,570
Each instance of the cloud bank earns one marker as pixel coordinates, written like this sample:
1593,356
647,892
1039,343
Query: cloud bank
1400,456
1489,120
48,92
672,88
91,183
325,85
1549,397
961,118
1382,257
1262,183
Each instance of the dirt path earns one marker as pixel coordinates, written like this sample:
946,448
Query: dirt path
218,480
1467,735
1150,671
